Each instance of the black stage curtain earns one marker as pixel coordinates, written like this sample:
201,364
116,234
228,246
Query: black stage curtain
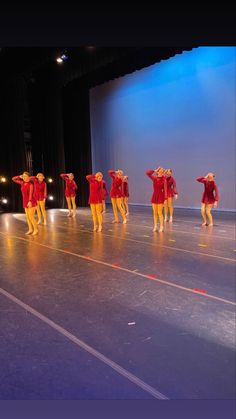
47,136
12,156
77,142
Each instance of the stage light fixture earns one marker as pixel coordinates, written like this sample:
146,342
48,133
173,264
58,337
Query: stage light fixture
3,179
50,198
4,200
50,180
62,58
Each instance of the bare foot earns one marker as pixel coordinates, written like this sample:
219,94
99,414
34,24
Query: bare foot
115,221
29,232
35,232
154,228
95,228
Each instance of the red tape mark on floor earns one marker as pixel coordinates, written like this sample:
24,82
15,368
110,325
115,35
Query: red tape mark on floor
152,276
116,265
198,290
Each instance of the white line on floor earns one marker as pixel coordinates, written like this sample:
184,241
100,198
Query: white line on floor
155,245
122,371
110,265
160,245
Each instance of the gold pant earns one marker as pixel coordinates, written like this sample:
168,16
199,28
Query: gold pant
32,223
206,211
157,213
96,210
41,210
169,205
117,203
125,201
71,203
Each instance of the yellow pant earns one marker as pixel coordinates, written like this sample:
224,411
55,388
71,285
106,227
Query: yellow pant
96,210
117,203
32,223
157,213
169,205
104,206
41,210
206,211
125,204
71,203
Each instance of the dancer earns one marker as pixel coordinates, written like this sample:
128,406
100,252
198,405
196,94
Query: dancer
96,199
29,201
40,193
125,194
171,192
210,197
104,194
70,192
159,195
116,195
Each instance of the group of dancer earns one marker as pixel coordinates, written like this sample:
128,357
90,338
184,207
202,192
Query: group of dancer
34,194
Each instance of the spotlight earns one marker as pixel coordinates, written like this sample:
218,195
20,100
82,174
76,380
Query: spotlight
50,198
62,58
50,180
4,200
3,179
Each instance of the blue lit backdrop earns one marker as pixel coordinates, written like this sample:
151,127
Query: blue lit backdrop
179,114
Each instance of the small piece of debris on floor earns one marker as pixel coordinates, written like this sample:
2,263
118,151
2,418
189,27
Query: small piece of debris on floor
149,337
131,323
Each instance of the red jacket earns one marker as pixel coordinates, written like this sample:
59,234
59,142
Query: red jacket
95,190
210,194
125,189
40,189
27,190
171,187
116,186
159,186
104,190
71,186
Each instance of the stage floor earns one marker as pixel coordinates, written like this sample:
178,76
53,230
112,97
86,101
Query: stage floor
121,314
